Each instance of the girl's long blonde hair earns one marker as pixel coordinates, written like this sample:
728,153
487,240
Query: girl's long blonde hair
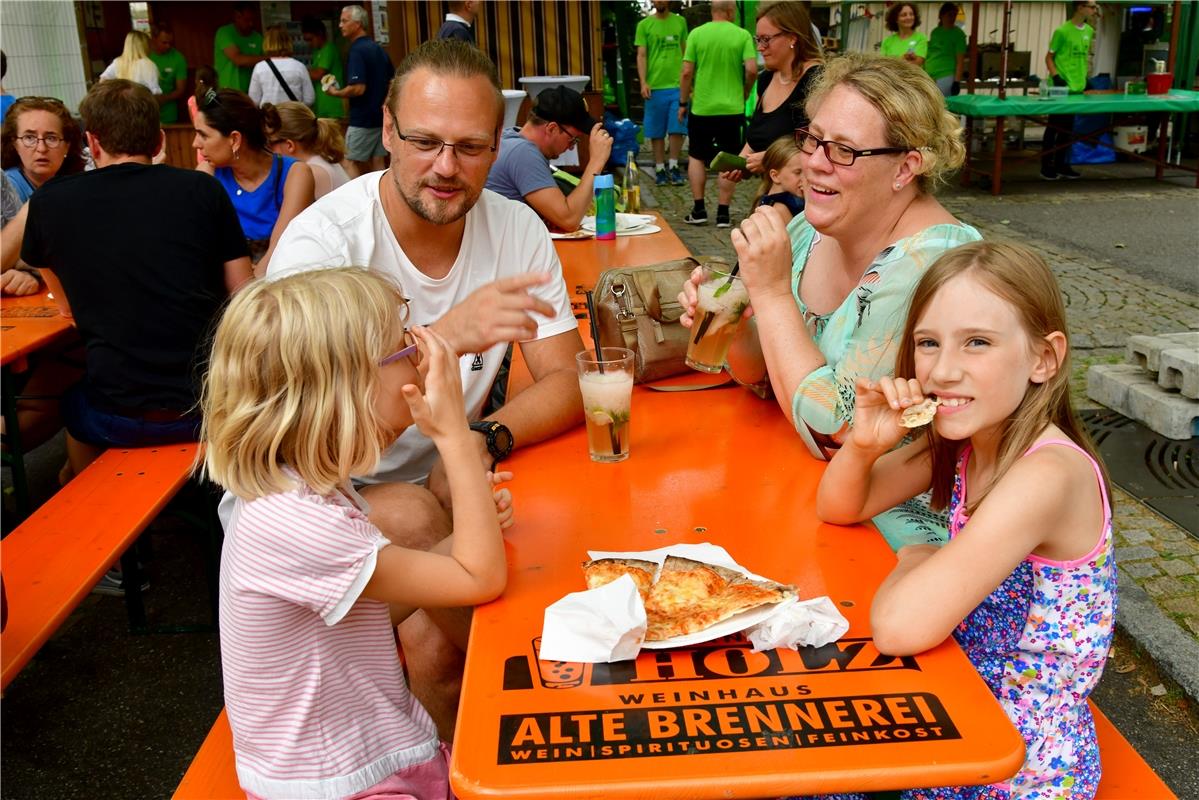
293,377
781,150
137,47
320,136
1022,278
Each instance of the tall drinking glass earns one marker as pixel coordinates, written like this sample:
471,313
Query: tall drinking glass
722,299
607,386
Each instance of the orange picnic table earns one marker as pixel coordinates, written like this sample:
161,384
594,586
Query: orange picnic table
584,259
712,720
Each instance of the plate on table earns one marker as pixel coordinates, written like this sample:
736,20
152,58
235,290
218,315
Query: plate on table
624,222
579,234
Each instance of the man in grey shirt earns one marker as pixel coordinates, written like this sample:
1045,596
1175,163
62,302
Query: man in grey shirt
522,170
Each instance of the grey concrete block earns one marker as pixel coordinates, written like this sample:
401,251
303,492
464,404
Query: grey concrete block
1138,553
1109,384
1179,369
1145,351
1168,413
1136,536
1141,569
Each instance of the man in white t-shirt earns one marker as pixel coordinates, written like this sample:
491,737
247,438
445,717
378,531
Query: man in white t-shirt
478,268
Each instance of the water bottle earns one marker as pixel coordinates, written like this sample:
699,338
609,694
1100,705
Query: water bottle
605,207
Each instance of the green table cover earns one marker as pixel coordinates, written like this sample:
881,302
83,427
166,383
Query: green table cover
978,105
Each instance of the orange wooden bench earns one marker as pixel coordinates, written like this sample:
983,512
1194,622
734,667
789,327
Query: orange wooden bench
52,560
213,775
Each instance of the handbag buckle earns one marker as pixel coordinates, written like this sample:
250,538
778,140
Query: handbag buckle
623,314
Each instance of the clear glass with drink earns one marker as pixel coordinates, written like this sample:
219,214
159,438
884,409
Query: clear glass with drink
718,309
607,386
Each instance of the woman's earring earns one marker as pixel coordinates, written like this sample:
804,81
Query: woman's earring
898,185
237,155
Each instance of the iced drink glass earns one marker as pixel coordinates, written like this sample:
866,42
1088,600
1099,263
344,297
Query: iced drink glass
607,386
722,299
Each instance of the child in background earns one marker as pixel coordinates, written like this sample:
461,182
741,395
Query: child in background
1027,581
782,178
311,376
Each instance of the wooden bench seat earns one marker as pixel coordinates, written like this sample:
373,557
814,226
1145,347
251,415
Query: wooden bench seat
213,774
54,558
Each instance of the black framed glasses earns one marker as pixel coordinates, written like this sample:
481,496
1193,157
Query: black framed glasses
52,140
764,41
838,153
431,148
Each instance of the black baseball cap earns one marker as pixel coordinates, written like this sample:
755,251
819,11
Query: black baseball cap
564,106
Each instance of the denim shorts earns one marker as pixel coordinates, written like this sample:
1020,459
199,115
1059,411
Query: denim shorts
662,114
86,423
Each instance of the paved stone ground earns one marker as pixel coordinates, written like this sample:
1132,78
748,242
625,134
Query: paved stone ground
1106,303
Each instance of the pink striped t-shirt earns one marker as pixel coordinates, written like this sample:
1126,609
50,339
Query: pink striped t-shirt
316,696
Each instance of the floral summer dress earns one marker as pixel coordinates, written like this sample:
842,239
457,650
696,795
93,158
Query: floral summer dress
1040,641
860,338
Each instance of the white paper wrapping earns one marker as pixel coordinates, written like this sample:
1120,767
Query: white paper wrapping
598,625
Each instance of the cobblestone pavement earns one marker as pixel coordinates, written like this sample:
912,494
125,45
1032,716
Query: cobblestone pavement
1105,304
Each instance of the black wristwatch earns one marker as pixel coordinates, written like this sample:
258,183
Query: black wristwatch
498,437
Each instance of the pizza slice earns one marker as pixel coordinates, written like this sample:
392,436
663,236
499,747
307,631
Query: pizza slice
603,571
690,596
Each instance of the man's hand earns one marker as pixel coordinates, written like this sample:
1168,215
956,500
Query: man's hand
500,311
18,282
600,147
503,498
645,90
682,112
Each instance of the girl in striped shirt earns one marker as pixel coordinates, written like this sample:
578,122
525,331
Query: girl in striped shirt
311,376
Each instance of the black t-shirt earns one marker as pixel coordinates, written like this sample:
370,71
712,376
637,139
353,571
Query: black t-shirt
140,252
765,127
368,63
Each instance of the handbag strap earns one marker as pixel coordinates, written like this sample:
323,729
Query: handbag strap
691,387
286,89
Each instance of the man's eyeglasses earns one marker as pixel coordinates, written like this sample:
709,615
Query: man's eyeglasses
840,154
764,41
409,350
431,148
52,140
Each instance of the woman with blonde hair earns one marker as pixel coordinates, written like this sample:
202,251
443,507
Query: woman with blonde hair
316,142
830,290
134,64
279,77
792,59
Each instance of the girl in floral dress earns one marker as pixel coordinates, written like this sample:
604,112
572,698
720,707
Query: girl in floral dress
1027,582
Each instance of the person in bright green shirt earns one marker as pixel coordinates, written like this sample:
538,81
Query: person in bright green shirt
661,39
172,72
905,42
946,51
236,48
1068,61
325,60
722,65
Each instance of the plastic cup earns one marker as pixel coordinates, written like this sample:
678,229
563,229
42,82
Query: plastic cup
607,386
722,300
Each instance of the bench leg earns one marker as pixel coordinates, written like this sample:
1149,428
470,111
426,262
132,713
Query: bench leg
135,605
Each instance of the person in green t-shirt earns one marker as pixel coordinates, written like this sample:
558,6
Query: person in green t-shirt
172,72
236,48
905,41
661,39
946,51
722,65
325,60
1068,61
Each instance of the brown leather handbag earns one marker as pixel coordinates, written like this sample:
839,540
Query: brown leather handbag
638,308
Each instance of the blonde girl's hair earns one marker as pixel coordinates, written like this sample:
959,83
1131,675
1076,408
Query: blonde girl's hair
913,109
137,47
320,136
781,150
1022,278
293,377
276,42
791,16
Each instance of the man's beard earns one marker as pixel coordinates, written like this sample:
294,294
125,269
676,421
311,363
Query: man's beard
440,212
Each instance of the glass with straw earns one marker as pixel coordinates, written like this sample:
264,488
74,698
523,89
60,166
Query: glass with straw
606,383
722,299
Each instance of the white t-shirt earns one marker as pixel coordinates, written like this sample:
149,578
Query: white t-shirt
348,227
316,695
145,72
265,88
325,176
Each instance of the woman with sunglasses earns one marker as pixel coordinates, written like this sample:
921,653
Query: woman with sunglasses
829,291
268,190
792,60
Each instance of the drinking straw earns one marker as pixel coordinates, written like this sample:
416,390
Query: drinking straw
702,328
599,360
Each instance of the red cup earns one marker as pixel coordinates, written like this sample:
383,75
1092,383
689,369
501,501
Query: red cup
1159,82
